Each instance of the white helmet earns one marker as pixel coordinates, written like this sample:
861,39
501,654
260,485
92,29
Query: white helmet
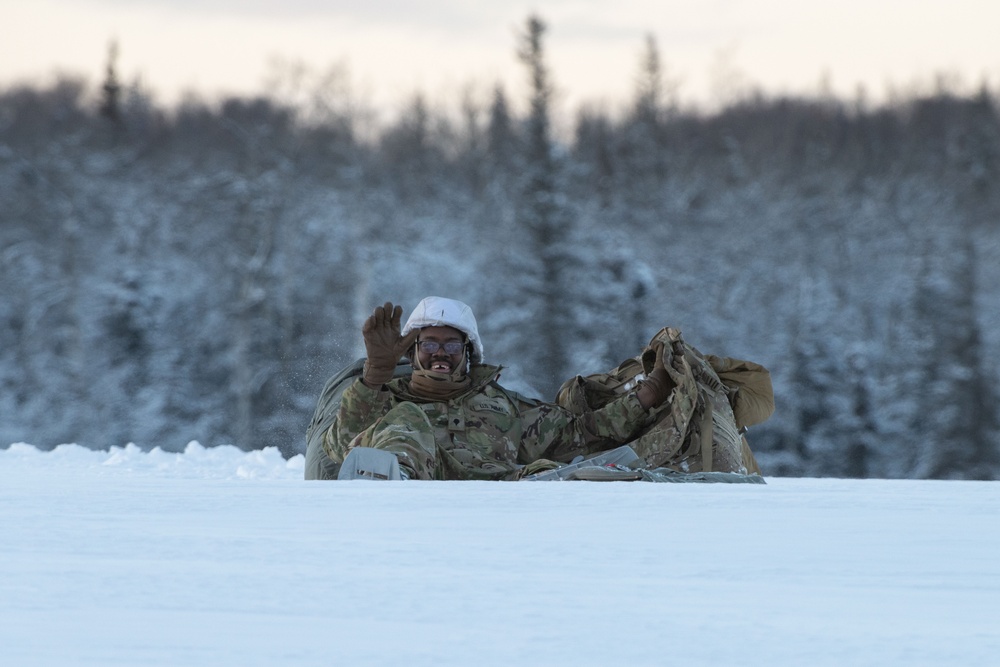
437,311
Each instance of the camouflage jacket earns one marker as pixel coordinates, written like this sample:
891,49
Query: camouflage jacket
489,432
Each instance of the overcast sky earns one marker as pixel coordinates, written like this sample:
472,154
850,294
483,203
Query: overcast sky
394,48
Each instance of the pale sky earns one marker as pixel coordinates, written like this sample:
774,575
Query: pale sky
392,49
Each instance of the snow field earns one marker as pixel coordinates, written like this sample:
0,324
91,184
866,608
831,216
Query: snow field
223,557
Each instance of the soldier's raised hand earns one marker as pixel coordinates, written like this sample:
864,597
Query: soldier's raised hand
660,376
384,344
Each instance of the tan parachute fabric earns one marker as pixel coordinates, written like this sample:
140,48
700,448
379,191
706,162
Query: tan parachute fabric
750,393
696,429
750,388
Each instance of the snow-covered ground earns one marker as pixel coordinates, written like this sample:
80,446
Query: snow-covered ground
222,557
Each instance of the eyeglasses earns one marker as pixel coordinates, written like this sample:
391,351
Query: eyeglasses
431,346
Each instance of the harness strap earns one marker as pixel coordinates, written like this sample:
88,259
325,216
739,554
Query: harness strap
706,434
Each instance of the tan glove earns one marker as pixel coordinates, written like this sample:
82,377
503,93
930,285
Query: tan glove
656,388
384,344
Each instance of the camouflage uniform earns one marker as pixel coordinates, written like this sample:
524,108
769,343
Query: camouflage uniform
486,433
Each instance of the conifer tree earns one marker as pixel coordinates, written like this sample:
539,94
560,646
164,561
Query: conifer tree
956,416
111,89
500,132
543,220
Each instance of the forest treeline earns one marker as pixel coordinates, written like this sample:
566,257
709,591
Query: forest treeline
197,272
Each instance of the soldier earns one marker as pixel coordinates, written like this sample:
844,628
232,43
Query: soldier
451,419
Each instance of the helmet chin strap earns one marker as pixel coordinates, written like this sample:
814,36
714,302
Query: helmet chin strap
461,368
439,386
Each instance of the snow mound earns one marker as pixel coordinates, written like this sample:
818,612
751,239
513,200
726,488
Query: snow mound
195,462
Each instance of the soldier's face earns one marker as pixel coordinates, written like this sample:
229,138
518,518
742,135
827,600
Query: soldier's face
431,349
